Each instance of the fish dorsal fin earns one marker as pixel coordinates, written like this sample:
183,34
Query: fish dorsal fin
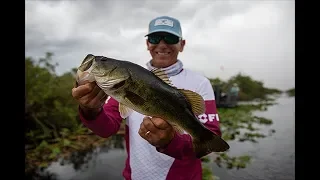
124,111
196,101
162,75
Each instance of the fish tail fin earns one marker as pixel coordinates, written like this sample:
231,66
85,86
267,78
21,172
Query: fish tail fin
209,142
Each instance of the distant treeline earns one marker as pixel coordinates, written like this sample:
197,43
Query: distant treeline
52,122
50,108
250,89
291,92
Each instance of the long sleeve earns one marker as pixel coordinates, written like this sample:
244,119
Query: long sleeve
180,146
108,121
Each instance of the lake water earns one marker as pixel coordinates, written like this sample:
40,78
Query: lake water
273,157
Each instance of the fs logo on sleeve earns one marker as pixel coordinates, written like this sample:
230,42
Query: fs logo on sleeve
203,118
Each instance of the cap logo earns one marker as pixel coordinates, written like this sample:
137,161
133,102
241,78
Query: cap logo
164,22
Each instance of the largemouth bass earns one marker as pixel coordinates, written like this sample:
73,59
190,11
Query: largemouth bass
151,93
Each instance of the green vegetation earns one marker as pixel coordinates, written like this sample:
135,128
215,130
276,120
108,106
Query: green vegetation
53,128
206,170
238,124
249,89
291,92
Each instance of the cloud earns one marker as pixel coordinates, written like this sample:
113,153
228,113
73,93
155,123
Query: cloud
253,37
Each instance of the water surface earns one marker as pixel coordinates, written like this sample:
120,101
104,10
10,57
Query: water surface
273,157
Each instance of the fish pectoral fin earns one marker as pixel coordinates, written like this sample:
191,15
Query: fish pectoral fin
196,101
162,75
124,111
134,98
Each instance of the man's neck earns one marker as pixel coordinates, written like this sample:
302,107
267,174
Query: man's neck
170,70
163,66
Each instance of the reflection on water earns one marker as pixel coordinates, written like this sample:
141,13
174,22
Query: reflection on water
105,162
273,156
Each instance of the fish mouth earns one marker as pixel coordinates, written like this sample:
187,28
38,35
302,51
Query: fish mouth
87,63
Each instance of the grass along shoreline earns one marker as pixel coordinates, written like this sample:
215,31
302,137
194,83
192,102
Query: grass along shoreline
84,140
44,154
53,127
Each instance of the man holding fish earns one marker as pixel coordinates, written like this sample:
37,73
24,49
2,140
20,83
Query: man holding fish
170,112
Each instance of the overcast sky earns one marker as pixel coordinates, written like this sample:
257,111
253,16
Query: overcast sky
222,37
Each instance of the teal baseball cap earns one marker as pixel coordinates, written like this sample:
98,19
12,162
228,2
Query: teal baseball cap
165,24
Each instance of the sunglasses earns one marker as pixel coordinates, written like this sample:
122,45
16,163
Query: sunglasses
168,39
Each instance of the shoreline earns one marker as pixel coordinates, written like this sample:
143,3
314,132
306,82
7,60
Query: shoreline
45,154
82,143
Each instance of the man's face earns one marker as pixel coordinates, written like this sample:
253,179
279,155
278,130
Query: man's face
164,54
